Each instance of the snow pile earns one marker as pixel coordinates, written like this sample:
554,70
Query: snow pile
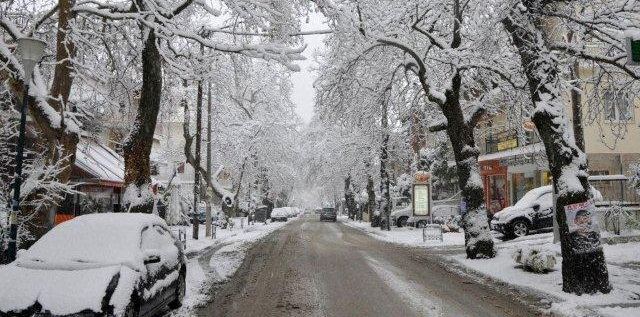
535,260
407,236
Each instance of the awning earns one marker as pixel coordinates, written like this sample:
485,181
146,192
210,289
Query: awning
523,150
101,162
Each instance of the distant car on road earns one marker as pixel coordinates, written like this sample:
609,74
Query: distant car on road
328,214
279,214
112,264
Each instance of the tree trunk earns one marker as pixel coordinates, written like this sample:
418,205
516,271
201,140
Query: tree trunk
478,240
197,190
385,203
349,199
371,199
584,269
576,107
208,219
137,146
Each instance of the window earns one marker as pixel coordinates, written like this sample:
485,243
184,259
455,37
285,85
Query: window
617,106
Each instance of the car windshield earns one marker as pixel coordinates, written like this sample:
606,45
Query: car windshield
532,197
328,210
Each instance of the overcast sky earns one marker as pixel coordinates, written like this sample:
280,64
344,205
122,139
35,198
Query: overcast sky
303,93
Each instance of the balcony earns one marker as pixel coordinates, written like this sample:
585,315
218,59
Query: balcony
507,139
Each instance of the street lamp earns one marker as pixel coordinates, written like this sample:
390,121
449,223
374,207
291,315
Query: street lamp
31,51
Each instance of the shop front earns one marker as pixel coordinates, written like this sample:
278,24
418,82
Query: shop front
495,181
524,178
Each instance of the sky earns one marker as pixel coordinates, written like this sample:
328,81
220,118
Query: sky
303,92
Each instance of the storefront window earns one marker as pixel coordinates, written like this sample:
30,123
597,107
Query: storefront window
497,192
521,183
546,178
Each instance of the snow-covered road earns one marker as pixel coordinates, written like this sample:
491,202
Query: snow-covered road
312,268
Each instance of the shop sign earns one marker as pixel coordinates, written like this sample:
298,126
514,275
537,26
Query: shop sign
421,200
528,125
422,177
507,144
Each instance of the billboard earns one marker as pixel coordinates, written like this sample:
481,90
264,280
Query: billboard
421,200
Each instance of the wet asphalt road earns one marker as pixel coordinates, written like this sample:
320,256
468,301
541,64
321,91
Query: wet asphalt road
313,268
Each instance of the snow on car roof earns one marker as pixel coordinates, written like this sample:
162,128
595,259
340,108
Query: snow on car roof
528,198
106,238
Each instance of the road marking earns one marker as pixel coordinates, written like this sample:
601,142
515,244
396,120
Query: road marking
410,292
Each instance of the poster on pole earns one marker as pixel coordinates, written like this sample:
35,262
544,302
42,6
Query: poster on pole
583,226
421,200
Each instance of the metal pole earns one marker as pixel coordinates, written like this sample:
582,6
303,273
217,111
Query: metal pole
13,233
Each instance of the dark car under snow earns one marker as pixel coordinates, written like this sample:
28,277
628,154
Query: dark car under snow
97,265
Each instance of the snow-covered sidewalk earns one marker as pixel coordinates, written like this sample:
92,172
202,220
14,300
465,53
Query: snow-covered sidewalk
214,260
406,236
623,262
624,271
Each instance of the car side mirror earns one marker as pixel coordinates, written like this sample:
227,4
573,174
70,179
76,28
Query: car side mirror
151,256
536,207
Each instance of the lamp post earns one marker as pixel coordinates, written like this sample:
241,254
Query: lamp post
31,51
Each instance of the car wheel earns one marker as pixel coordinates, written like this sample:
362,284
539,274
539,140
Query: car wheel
520,228
180,292
402,222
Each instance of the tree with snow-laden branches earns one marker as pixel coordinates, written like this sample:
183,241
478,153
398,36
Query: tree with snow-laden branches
536,29
460,69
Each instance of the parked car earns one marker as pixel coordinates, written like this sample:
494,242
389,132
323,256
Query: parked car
111,264
279,214
328,214
400,216
444,212
534,211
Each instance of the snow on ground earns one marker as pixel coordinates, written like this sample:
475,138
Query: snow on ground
406,236
623,262
228,251
624,271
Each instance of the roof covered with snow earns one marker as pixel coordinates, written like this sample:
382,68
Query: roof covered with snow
100,161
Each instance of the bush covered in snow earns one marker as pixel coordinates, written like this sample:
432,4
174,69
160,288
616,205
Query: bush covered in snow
535,260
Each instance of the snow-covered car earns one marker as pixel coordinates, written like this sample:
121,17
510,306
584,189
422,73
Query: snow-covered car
111,264
279,214
400,216
292,211
534,211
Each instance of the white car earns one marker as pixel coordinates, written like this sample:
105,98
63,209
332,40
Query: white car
440,214
534,211
399,217
111,264
280,214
